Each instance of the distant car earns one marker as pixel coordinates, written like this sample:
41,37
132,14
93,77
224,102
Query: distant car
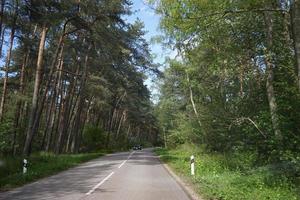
137,147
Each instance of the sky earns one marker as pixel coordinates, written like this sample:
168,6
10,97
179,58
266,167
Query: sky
144,13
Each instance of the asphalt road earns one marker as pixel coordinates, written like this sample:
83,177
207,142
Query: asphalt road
136,175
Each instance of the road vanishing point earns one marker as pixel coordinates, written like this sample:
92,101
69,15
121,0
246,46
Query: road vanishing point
135,175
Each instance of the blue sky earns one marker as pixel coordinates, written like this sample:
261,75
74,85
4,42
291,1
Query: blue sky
151,21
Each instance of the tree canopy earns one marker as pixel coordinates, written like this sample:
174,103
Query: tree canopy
234,84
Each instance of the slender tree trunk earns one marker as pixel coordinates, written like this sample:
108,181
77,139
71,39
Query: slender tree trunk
73,113
128,132
62,110
270,76
76,139
48,115
110,128
2,4
6,69
65,118
72,118
295,18
76,129
19,103
192,100
115,125
2,35
120,124
68,113
51,125
34,106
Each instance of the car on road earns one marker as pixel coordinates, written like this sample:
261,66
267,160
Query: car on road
137,147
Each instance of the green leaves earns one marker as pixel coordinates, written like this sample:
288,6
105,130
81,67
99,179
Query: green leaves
223,51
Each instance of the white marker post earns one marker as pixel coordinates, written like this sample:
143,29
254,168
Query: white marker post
192,165
25,162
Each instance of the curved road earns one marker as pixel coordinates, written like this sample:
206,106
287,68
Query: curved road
136,175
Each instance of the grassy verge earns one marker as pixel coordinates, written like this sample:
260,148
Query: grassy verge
40,165
222,177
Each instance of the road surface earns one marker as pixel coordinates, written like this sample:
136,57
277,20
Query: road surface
136,175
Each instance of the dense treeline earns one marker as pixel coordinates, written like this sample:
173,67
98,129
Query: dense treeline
235,84
72,76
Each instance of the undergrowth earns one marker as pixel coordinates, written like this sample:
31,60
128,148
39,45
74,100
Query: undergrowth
233,176
39,165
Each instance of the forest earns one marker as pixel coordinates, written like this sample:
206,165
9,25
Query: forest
235,83
233,91
72,77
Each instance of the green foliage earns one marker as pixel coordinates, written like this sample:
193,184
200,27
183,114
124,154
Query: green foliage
231,176
6,134
234,77
220,80
93,138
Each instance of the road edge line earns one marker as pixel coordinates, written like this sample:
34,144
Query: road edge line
182,183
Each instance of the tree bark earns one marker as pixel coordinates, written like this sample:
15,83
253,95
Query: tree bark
76,128
62,108
68,113
2,4
120,124
19,103
51,122
295,18
34,106
6,69
2,34
270,75
192,100
50,127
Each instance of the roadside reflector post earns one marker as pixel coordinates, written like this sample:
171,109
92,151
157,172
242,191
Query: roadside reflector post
25,162
192,165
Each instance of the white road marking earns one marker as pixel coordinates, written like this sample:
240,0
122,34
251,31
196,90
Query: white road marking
99,184
106,178
126,160
122,164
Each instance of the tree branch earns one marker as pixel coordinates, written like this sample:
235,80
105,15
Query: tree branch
223,13
242,119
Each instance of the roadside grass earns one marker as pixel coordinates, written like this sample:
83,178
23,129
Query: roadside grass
39,165
228,177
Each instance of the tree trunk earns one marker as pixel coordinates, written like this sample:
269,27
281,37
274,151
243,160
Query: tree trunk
192,100
295,18
75,144
34,106
6,69
120,124
19,103
111,121
2,34
76,138
68,113
50,125
51,122
62,109
2,4
270,75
